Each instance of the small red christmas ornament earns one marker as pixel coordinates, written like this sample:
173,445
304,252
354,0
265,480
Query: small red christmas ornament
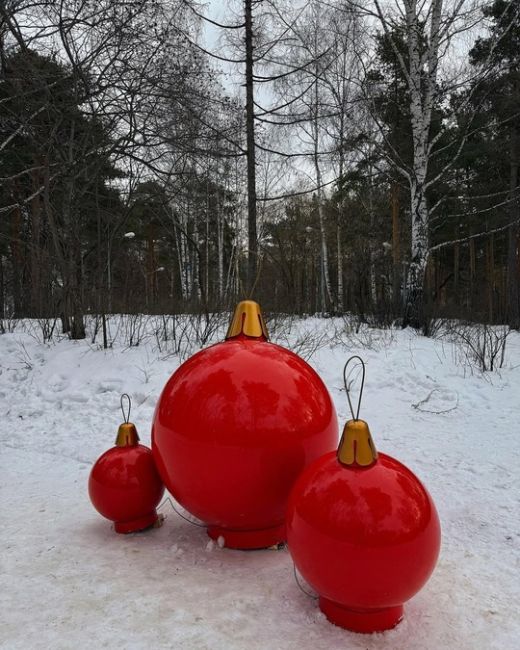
234,427
363,531
124,485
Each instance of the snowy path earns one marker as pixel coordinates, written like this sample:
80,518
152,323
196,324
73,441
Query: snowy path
67,581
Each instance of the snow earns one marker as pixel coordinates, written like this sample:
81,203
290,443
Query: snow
67,580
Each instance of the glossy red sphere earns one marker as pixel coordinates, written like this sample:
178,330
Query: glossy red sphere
234,427
125,487
366,539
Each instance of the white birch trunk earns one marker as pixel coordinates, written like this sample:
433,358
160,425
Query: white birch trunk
195,286
220,250
373,283
184,263
178,236
326,288
422,80
206,268
326,291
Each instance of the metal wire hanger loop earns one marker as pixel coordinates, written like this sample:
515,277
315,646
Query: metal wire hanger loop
348,384
126,413
301,587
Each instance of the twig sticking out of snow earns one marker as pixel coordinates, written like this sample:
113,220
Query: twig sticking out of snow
427,399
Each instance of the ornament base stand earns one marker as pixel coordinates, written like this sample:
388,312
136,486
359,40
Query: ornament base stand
134,526
361,620
249,539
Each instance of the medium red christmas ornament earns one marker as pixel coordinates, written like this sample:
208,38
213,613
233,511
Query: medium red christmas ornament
363,531
124,485
234,427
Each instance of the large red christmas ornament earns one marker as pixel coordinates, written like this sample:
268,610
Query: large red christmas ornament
363,531
234,427
124,485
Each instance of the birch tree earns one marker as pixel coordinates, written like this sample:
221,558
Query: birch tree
430,30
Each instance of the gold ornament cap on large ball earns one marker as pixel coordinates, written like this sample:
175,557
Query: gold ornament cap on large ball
247,320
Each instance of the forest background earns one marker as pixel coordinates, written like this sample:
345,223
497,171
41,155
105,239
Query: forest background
323,157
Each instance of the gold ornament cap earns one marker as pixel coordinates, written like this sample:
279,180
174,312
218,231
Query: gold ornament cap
127,435
356,446
247,320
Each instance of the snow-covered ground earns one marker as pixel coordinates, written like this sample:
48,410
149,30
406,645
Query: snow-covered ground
68,581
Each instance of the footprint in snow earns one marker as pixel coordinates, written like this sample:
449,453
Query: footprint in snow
57,383
77,397
109,386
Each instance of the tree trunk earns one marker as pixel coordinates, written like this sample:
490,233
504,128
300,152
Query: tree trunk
196,287
206,249
36,267
250,138
512,277
456,270
340,268
326,297
491,277
75,298
109,270
414,311
2,288
373,281
220,251
396,250
422,85
151,266
326,290
16,261
182,254
77,330
513,283
472,274
105,336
